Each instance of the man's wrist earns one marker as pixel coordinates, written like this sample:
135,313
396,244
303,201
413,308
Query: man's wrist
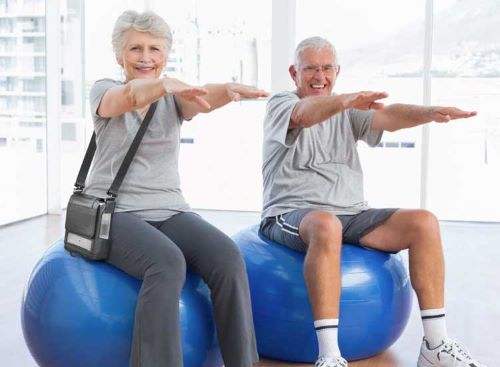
342,102
431,112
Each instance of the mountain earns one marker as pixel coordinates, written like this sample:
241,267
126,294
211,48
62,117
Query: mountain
466,43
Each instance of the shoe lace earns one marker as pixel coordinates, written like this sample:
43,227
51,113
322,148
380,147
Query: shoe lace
456,350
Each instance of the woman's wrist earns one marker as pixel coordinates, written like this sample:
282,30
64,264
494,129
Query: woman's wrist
167,84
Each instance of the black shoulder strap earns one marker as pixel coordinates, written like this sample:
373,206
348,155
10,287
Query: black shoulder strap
84,168
89,155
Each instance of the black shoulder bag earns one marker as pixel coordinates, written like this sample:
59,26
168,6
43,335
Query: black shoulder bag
88,218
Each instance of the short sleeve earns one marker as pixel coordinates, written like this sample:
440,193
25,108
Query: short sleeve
278,113
361,122
97,92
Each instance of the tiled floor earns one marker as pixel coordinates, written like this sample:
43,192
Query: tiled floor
473,287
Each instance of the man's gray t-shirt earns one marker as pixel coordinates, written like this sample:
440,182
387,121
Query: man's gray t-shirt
151,188
316,167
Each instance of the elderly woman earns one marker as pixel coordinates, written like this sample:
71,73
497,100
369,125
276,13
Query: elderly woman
155,235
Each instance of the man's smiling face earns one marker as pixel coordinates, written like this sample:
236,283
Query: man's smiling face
316,73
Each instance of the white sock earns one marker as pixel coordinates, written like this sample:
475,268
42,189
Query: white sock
327,333
434,322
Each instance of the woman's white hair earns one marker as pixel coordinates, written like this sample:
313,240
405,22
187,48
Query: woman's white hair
147,21
315,43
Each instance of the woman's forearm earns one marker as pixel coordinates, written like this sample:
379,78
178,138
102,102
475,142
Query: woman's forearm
133,95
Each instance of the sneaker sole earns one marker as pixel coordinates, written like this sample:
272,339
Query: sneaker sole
424,363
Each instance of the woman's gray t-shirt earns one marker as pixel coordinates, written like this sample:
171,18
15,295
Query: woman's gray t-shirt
151,188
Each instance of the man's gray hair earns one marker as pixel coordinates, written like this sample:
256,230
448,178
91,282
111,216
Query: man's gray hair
147,21
315,43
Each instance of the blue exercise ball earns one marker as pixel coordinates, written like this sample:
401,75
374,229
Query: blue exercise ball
375,302
81,313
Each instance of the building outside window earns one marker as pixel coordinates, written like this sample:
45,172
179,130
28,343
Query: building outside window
22,109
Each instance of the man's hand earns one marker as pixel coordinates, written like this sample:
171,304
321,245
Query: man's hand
363,100
445,114
237,91
401,116
187,92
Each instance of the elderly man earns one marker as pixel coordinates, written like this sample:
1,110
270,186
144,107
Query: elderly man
313,197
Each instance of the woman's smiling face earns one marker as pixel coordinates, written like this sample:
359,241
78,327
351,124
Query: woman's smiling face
143,55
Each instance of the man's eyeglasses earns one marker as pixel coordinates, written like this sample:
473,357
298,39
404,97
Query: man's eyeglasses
313,69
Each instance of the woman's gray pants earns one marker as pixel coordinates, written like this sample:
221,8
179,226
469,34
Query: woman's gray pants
158,253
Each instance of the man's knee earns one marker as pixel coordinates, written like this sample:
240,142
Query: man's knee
319,228
423,222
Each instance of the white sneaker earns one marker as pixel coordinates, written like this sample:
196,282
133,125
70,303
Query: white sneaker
330,362
448,354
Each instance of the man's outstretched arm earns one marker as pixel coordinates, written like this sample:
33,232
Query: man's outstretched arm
400,116
312,110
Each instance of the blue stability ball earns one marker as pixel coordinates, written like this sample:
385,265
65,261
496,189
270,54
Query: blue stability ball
375,302
81,313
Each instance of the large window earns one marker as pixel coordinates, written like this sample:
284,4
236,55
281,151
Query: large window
24,91
464,164
22,110
377,50
73,131
220,161
230,44
227,40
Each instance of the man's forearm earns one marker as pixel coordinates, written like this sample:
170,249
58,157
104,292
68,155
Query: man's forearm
313,110
401,116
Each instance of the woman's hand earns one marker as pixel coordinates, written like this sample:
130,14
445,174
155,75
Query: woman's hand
236,92
214,96
187,92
